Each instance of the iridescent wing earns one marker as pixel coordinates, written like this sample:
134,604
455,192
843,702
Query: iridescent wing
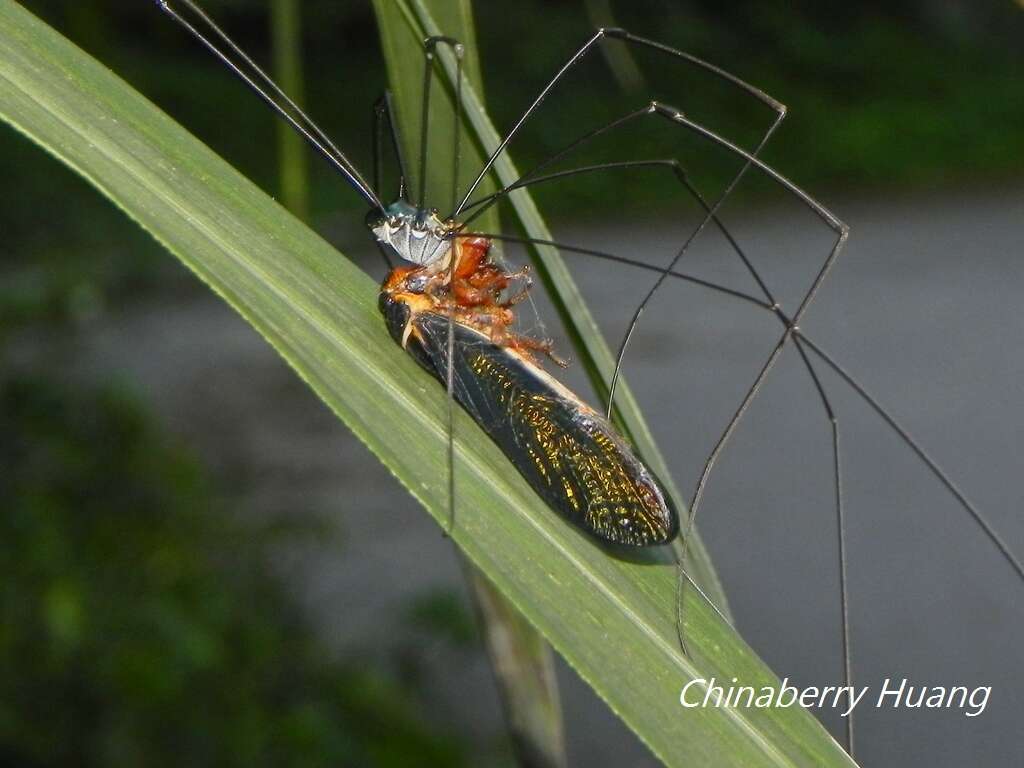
569,454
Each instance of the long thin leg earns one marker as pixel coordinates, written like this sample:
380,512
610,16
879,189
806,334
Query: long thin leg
239,62
711,215
663,111
772,305
449,385
802,341
671,165
791,327
844,598
605,256
627,37
844,593
531,176
842,232
928,461
654,108
429,46
750,159
384,112
827,358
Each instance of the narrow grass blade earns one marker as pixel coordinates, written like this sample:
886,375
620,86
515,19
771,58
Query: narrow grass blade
285,29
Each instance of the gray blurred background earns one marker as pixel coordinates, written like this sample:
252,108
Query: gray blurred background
183,518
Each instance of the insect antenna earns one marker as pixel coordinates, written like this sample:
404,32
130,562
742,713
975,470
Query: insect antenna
242,65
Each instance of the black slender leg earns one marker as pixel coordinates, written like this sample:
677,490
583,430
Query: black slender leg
384,114
429,47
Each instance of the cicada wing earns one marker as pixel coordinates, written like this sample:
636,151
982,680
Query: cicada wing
569,454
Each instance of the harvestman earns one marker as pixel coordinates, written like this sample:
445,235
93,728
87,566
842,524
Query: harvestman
419,235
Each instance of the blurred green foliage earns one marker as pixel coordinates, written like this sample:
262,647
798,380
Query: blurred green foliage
138,623
442,615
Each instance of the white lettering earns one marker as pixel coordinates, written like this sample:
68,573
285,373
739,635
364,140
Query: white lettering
717,690
979,706
682,693
766,697
842,697
808,696
853,698
790,689
887,692
744,690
